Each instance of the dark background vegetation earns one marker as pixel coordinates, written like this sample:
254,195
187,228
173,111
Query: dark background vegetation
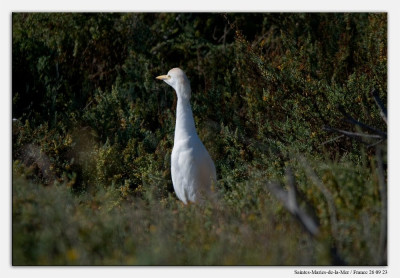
93,133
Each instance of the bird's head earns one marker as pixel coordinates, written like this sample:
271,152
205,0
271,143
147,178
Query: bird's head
178,80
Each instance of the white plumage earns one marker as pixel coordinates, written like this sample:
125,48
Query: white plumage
192,169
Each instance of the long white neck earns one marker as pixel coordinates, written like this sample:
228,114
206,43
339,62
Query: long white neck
184,127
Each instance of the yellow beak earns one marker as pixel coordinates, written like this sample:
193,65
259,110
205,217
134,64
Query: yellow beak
163,77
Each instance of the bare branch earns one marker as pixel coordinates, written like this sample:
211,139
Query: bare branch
328,196
379,102
354,134
333,139
350,119
226,32
280,194
292,202
288,199
376,143
383,192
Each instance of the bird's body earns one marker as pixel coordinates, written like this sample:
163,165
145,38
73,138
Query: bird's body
192,169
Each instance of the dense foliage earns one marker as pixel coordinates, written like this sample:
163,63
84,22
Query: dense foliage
93,133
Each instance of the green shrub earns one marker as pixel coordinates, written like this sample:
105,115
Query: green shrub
93,134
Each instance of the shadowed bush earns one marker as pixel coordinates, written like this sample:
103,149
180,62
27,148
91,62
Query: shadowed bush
93,137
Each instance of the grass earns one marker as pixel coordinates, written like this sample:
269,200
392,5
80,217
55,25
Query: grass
246,226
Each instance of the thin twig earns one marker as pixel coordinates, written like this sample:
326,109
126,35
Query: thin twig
376,143
333,139
289,201
350,119
328,195
307,221
353,134
378,101
292,201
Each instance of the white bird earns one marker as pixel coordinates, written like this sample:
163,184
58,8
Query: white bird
192,169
